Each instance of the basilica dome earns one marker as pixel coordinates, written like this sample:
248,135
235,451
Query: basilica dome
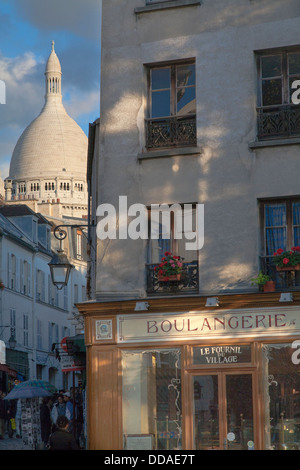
53,145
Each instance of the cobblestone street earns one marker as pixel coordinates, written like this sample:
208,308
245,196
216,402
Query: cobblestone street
13,444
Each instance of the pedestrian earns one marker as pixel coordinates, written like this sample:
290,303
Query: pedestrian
2,414
62,439
69,409
11,417
18,419
58,409
45,417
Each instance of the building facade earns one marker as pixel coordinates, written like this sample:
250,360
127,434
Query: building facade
33,310
46,188
199,113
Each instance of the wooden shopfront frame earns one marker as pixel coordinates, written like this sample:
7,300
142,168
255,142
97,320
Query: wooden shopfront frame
104,368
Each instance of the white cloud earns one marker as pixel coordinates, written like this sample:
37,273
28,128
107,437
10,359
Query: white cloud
82,103
24,93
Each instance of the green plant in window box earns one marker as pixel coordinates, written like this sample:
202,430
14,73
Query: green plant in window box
264,282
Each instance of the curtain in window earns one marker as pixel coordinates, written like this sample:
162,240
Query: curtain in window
296,223
275,226
159,246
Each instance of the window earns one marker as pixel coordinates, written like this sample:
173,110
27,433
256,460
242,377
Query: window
12,317
278,117
171,106
40,285
281,392
79,244
281,229
53,334
170,230
66,298
151,380
75,294
39,335
173,229
281,225
25,330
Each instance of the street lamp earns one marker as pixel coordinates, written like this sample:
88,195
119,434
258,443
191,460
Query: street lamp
12,340
60,266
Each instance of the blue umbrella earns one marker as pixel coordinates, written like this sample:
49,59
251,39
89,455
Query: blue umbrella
31,389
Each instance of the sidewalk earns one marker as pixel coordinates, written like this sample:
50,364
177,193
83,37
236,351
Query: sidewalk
13,444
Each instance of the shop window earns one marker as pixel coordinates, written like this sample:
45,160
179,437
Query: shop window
278,116
151,399
171,106
281,388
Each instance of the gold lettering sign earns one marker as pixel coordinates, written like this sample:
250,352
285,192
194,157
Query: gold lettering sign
193,325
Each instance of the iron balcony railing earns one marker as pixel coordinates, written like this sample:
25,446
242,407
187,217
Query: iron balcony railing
175,131
188,283
284,280
278,122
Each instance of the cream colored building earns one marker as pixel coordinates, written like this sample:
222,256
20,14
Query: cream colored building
48,165
46,187
196,108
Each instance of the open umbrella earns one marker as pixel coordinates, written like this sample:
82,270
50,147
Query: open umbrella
31,389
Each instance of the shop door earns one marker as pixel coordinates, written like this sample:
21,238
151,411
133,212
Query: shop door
223,411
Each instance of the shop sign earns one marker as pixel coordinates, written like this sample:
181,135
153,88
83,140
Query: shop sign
194,325
210,355
68,364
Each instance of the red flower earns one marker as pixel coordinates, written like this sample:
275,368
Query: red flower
285,261
279,251
167,253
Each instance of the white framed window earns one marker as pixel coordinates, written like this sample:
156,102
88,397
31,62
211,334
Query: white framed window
25,329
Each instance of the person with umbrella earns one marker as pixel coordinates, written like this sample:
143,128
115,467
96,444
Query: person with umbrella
30,392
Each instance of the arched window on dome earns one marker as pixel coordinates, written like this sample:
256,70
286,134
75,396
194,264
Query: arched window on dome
46,186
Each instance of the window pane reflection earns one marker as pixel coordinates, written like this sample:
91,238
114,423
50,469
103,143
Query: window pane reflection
206,412
151,400
281,397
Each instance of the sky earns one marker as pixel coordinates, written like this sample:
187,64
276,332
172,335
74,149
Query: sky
27,28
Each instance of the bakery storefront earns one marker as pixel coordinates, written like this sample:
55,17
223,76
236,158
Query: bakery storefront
172,374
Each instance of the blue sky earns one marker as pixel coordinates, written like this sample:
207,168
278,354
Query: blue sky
27,28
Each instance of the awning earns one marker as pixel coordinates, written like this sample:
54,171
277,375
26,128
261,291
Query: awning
8,370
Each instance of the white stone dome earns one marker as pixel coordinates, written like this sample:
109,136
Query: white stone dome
53,145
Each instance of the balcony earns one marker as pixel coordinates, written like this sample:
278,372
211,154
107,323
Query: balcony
175,131
188,284
277,122
285,280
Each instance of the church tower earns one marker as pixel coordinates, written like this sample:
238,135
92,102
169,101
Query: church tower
49,162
